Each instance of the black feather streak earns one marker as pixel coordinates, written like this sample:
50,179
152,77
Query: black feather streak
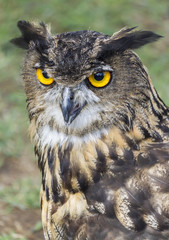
164,128
145,132
43,180
50,156
64,158
55,192
65,171
47,193
101,161
129,157
132,144
82,180
146,161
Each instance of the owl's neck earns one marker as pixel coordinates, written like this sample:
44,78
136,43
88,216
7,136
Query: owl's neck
68,153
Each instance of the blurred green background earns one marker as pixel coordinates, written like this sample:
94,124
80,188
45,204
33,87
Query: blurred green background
19,176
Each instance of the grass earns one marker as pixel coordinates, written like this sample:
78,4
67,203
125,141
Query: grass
106,16
12,236
21,194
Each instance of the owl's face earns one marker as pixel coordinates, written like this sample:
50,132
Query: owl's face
78,84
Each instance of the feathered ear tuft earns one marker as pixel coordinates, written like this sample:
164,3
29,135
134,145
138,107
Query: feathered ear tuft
31,32
127,39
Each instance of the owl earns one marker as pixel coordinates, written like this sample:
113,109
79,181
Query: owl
101,134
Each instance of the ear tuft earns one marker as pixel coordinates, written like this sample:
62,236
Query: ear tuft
127,39
31,32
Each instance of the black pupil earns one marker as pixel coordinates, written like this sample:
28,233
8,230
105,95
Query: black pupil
45,74
99,76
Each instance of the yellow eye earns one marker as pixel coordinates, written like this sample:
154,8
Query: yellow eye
100,79
43,77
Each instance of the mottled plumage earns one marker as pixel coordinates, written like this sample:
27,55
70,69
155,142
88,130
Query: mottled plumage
103,151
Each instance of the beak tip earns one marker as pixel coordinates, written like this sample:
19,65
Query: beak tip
66,117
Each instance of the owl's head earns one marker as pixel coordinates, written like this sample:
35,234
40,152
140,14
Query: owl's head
79,83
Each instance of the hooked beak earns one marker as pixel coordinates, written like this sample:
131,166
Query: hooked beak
70,108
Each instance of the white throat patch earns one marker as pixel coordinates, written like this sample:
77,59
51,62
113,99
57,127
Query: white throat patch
52,137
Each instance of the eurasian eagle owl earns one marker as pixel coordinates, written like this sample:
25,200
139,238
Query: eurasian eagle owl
101,134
